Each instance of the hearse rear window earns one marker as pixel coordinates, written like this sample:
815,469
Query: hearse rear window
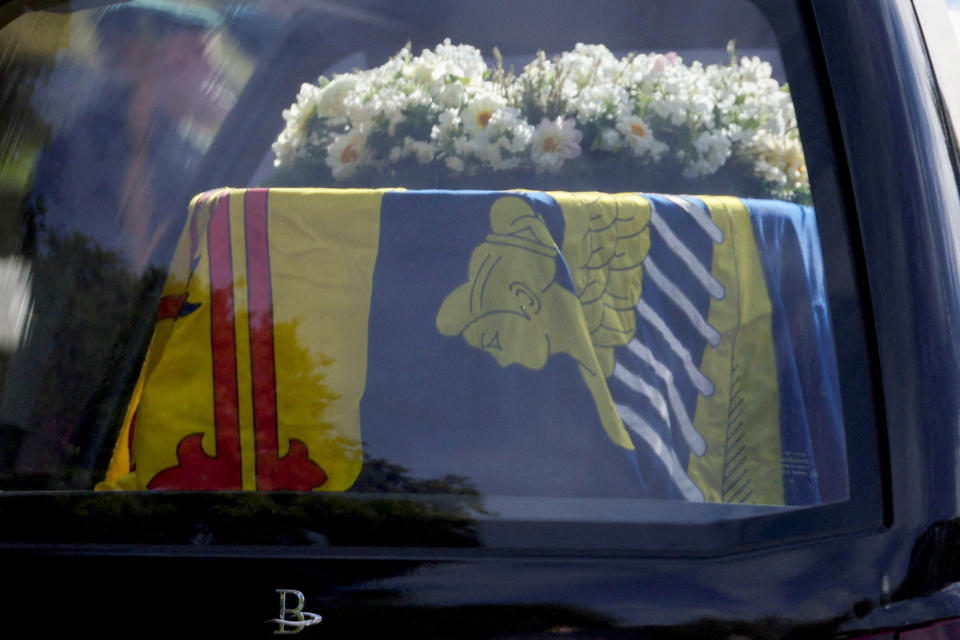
540,261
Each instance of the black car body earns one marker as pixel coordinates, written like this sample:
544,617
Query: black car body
877,108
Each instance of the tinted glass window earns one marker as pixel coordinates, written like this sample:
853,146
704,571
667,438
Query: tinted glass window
566,273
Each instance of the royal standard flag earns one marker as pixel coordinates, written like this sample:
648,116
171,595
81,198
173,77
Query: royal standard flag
536,344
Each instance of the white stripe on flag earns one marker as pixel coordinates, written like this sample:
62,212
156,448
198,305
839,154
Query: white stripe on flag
700,381
666,454
699,216
673,292
638,384
693,438
700,272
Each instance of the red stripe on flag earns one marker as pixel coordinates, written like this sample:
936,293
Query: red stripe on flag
223,338
295,471
195,470
262,365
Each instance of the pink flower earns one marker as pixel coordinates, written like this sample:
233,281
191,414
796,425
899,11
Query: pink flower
662,61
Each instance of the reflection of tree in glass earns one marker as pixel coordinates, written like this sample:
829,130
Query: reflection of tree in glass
65,391
303,392
300,519
297,447
382,476
452,493
30,44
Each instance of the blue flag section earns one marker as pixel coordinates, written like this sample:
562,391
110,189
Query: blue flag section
439,406
529,344
445,402
810,411
651,377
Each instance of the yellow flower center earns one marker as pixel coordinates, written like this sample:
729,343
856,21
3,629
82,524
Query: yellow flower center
638,130
550,144
484,118
348,155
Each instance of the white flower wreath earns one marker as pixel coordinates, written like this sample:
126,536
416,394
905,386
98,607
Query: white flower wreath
447,112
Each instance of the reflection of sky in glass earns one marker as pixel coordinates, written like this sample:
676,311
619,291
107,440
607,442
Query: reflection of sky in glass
954,7
15,301
116,155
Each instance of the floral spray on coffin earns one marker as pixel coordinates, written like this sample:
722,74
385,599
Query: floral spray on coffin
585,120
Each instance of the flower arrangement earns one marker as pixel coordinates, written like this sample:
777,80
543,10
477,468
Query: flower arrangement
585,119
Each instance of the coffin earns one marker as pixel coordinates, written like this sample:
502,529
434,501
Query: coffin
519,343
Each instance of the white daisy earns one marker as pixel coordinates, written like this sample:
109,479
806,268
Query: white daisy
553,143
347,153
478,112
640,138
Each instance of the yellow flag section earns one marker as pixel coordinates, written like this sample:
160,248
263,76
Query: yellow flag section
605,241
513,292
740,421
213,411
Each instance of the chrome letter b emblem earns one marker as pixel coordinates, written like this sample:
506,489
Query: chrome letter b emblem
293,620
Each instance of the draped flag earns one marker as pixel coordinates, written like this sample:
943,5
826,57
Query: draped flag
536,344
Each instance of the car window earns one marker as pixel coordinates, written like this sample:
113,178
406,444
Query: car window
573,273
